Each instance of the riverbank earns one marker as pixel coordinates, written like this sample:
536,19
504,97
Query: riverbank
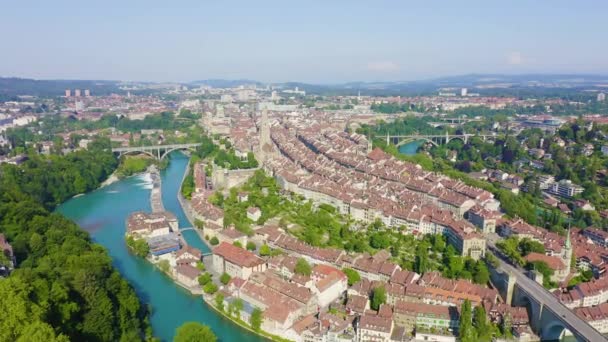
208,299
269,337
103,214
187,208
110,180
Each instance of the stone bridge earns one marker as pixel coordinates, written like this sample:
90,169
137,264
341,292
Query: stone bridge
549,318
435,139
156,151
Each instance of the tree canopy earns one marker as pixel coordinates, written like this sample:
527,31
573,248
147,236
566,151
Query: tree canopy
194,332
65,286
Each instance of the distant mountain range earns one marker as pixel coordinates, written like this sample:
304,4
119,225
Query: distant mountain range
485,84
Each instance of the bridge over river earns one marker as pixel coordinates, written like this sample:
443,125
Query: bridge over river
549,318
435,139
156,151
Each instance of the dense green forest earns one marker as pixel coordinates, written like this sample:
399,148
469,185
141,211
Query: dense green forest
64,286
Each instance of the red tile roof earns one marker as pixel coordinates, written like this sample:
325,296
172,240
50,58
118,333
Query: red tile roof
237,256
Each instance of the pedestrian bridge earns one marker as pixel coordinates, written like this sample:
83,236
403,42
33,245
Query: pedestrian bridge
155,151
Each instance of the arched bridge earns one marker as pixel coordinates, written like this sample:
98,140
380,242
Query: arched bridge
549,318
156,151
435,139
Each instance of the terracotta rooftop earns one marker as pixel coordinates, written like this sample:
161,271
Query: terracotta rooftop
237,256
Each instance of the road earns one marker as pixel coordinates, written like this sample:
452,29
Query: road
572,321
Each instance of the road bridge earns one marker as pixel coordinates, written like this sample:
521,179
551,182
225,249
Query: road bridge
549,318
156,151
435,139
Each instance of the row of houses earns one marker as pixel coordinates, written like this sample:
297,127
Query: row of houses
369,194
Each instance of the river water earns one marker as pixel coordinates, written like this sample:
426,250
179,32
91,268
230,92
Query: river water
103,214
410,148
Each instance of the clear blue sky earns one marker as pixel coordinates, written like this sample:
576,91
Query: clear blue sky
311,41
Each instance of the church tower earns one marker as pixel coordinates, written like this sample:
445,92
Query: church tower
265,143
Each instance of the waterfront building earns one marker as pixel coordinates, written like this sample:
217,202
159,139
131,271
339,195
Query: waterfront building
187,275
144,225
163,244
235,261
188,255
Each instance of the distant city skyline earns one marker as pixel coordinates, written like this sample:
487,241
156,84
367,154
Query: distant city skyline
313,42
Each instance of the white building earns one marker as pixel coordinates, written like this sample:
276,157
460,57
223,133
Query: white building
565,188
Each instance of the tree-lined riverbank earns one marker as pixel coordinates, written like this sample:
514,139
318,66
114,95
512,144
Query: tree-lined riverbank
103,213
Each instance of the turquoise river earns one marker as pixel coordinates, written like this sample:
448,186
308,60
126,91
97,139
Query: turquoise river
103,213
410,148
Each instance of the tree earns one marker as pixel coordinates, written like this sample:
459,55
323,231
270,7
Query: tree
251,246
235,307
138,246
219,301
421,264
237,244
466,330
210,288
256,319
506,325
225,278
454,263
527,246
378,297
214,241
380,240
438,243
303,267
482,274
40,332
480,322
200,266
194,332
199,224
352,275
164,266
265,250
204,279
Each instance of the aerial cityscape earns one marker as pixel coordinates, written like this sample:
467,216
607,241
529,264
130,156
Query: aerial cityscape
328,180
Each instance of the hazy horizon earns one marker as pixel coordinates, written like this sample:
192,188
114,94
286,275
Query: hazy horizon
314,42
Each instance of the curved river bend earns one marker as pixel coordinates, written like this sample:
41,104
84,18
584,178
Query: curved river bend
410,148
103,214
